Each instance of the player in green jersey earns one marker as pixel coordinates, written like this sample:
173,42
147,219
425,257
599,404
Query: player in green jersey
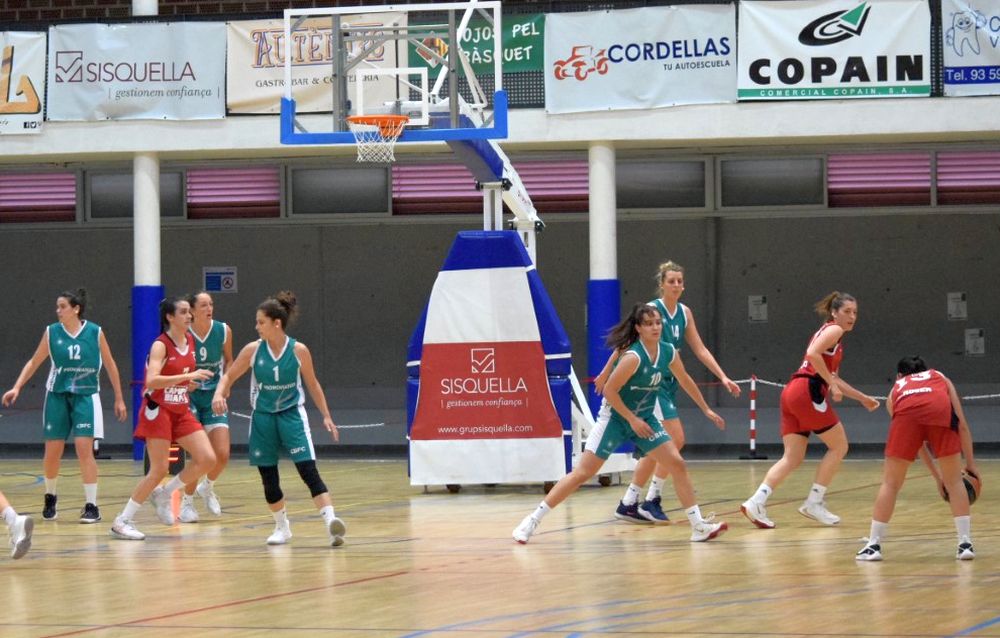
213,351
280,367
631,392
78,350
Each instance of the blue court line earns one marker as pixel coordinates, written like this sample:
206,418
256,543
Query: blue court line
973,629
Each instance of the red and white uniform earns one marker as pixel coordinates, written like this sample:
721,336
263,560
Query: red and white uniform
922,411
805,409
171,417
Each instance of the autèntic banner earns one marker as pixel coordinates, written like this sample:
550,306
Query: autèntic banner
832,49
256,65
971,37
22,82
165,71
640,58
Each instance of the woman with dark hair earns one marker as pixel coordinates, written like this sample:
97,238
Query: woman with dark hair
631,391
805,410
78,350
925,410
213,351
279,367
165,416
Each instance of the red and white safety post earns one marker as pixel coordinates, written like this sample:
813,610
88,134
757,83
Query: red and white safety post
753,421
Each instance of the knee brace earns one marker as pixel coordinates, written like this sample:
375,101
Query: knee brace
272,484
310,475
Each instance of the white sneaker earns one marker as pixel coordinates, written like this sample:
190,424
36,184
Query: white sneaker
188,513
818,512
281,534
20,536
124,529
211,500
524,531
757,514
336,529
965,551
872,551
705,531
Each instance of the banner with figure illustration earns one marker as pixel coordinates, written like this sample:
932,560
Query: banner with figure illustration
971,44
22,82
834,49
640,58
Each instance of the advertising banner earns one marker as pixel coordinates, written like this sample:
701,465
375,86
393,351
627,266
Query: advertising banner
522,42
484,410
164,71
834,49
971,37
22,82
640,58
256,66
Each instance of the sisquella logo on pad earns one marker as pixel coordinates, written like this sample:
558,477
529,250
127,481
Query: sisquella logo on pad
835,27
483,361
69,66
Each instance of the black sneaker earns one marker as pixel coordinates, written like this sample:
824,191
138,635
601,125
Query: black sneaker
653,510
49,511
90,514
630,514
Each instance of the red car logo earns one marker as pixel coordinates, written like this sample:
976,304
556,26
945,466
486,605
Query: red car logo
582,63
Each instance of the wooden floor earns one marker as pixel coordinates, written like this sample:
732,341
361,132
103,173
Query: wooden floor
440,564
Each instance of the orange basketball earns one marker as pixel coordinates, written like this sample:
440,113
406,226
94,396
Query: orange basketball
972,485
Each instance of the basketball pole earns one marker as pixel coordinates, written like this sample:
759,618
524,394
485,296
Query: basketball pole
753,456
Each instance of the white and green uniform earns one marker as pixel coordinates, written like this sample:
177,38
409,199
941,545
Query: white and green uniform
208,354
673,333
73,400
279,420
639,394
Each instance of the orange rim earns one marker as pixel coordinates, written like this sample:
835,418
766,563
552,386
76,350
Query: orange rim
388,125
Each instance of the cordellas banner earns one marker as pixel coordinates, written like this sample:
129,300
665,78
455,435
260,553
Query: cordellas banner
640,58
22,82
971,37
168,71
256,65
822,49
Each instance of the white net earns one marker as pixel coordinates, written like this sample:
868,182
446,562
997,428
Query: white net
376,137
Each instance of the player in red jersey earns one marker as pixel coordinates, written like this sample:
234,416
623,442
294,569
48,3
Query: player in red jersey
805,410
165,416
924,406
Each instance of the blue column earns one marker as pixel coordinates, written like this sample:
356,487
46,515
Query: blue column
603,313
145,329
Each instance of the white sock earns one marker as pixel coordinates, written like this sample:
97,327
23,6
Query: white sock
541,511
50,485
9,515
631,494
188,499
655,488
280,517
878,532
90,493
963,525
694,515
327,513
209,482
175,483
762,493
131,508
816,493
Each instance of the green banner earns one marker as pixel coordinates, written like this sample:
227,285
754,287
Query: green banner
522,41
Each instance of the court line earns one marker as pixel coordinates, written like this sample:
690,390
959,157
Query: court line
233,603
975,628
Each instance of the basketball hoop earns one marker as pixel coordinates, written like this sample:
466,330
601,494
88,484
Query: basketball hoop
376,135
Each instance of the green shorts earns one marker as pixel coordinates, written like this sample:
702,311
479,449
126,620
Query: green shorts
611,431
201,407
666,406
272,433
68,414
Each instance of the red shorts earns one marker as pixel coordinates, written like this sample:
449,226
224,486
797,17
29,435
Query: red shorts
164,424
799,415
906,437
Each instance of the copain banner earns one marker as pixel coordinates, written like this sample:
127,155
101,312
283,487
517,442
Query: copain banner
640,58
22,82
165,71
834,49
255,79
971,37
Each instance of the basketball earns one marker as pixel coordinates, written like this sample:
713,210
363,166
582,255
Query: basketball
972,485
